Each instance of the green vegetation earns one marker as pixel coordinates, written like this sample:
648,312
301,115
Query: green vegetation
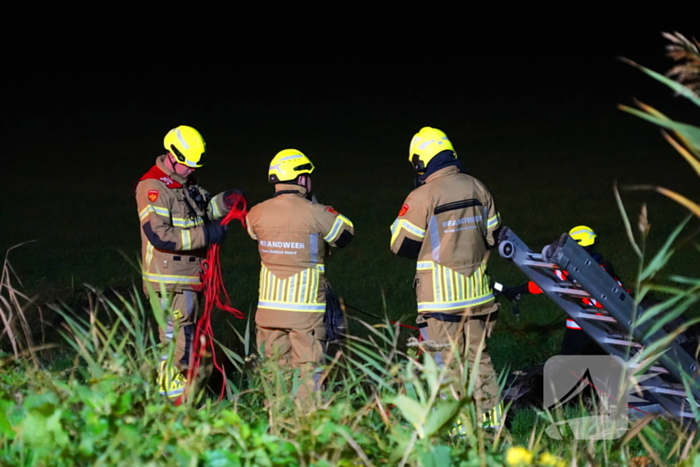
88,398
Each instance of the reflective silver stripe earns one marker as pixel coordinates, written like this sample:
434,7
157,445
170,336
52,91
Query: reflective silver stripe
493,221
445,306
403,223
313,247
181,139
145,212
174,392
421,265
186,239
250,230
304,307
186,223
434,239
171,279
571,324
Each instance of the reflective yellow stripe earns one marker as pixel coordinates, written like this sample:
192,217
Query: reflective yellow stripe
295,293
215,211
251,233
452,290
337,228
149,257
171,279
409,227
186,239
187,223
493,221
145,212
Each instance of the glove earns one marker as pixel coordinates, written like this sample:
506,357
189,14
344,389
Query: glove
514,293
214,233
232,197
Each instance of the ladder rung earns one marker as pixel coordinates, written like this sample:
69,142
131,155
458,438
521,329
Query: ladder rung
566,291
626,343
592,317
540,264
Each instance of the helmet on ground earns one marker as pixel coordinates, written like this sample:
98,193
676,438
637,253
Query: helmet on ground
425,145
287,165
187,145
584,236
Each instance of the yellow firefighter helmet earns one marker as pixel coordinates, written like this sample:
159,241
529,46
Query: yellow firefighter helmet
187,145
425,145
584,235
287,165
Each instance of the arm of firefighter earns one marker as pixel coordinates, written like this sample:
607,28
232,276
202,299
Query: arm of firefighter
164,231
408,230
220,205
492,219
337,230
249,227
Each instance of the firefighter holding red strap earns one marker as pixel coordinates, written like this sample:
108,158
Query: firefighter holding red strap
179,220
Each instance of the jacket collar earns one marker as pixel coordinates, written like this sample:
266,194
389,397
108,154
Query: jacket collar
443,173
289,187
160,163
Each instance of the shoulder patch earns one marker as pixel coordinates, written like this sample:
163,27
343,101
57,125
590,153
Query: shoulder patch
404,210
152,196
331,210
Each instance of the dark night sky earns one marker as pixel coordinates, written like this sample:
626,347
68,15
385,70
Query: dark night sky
93,82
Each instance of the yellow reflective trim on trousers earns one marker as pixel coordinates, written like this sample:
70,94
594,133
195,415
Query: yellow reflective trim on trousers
409,227
171,279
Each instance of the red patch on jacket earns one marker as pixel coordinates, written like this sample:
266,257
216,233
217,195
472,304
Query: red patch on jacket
152,196
330,209
404,210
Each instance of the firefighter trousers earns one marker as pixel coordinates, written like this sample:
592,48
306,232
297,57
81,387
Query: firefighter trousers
182,309
467,336
299,348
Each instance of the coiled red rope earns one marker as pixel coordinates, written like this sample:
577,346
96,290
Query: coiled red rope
215,294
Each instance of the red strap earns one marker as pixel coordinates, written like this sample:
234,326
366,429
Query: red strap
215,294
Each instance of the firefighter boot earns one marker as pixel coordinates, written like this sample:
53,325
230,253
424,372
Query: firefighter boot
170,380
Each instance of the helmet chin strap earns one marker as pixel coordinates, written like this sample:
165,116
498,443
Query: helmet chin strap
305,181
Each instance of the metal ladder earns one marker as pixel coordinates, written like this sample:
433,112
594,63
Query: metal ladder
613,326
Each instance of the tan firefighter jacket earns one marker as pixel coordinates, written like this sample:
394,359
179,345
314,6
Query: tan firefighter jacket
172,211
292,233
449,223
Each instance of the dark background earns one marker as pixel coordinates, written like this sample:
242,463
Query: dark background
530,106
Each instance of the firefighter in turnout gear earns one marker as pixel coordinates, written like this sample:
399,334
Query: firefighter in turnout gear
179,220
576,341
292,233
448,223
